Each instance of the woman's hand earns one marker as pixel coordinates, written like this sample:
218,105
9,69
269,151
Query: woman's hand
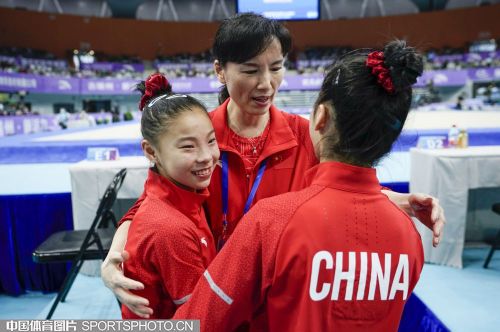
427,209
423,207
112,275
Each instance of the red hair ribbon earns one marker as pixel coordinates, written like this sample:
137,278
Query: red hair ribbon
154,83
375,61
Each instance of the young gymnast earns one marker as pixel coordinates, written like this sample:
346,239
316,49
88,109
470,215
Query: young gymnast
169,241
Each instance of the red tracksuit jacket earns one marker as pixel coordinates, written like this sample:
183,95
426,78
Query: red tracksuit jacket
170,245
289,153
335,256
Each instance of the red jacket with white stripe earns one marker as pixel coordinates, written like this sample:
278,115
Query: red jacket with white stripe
335,256
289,153
170,245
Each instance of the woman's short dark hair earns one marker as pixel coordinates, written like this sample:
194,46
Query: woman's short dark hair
244,36
162,109
366,118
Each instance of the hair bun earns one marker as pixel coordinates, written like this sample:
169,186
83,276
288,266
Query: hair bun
404,63
154,86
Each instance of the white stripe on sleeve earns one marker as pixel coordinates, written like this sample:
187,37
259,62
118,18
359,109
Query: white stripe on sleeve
182,301
217,289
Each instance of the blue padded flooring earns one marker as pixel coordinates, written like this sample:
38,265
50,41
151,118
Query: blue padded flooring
24,149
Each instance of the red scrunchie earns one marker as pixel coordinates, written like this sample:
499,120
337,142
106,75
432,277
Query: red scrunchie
154,83
375,61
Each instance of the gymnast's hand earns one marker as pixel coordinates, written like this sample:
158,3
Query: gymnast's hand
112,275
423,207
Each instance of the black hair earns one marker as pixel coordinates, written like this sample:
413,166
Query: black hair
366,118
162,109
244,36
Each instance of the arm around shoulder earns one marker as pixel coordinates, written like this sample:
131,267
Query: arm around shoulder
113,277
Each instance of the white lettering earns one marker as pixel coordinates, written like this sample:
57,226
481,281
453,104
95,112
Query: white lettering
18,82
398,285
362,276
313,286
379,274
127,86
382,275
182,85
340,275
312,82
215,84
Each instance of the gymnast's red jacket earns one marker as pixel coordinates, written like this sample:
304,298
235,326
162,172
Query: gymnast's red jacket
289,153
170,245
335,256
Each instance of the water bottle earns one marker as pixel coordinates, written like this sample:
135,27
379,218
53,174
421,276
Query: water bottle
453,137
463,139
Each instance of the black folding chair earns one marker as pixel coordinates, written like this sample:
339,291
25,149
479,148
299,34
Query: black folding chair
80,245
495,245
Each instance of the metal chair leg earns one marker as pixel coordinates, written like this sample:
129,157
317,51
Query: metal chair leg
68,281
488,259
494,246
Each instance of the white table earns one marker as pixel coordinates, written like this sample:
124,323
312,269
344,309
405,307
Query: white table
448,174
89,180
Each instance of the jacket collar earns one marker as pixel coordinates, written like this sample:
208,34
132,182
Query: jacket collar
187,202
342,176
281,136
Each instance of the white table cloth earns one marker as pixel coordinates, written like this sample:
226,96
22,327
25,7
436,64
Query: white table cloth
448,174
